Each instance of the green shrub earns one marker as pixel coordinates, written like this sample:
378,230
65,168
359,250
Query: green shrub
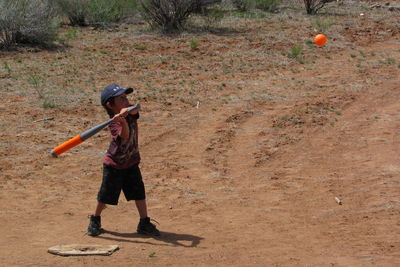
28,22
212,16
267,5
103,12
313,6
194,45
96,12
244,5
296,53
75,10
168,15
322,24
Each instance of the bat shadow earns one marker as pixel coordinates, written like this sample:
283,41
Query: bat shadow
174,239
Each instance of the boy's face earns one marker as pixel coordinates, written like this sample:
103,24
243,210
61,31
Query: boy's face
120,102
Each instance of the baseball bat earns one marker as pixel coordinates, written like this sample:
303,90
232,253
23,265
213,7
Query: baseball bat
84,136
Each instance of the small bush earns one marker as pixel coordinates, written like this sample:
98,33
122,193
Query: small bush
244,5
75,10
267,5
322,24
96,12
212,17
168,15
29,22
313,6
201,5
296,53
194,45
103,12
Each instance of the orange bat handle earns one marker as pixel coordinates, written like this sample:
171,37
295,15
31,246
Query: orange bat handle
67,145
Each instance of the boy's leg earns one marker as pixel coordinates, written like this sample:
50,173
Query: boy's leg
94,228
99,208
145,226
133,188
142,208
108,194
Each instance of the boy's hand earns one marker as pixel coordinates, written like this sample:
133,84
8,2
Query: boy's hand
120,118
124,112
133,112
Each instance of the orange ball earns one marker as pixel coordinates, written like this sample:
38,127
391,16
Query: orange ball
320,39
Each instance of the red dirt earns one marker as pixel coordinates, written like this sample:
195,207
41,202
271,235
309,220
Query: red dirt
249,178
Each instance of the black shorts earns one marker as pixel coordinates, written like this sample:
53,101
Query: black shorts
129,180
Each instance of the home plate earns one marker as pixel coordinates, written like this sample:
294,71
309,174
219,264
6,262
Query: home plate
83,250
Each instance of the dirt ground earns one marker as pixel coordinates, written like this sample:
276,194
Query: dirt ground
244,148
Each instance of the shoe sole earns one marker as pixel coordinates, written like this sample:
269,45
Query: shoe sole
147,233
100,232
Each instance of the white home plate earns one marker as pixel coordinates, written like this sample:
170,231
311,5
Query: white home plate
82,250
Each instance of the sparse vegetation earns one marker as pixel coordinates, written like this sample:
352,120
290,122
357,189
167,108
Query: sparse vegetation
104,12
296,53
75,10
34,80
267,5
7,68
27,22
168,15
322,24
313,6
212,16
99,13
390,61
140,47
244,5
71,34
194,45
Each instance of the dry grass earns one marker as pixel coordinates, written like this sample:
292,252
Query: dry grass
165,69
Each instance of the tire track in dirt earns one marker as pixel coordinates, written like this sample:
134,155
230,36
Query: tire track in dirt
221,140
173,160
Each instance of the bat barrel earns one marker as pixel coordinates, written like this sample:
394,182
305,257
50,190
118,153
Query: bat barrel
67,145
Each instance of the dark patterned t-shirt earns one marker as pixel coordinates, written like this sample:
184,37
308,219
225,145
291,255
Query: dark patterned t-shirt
123,154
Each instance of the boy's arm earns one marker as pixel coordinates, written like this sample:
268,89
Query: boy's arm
120,118
124,133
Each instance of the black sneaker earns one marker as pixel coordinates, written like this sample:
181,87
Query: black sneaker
94,228
145,227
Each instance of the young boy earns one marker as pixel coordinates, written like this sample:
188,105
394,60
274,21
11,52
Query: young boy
121,162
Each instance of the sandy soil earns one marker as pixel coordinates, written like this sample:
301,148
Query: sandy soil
244,149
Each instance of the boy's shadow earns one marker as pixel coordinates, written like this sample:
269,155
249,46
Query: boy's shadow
171,238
